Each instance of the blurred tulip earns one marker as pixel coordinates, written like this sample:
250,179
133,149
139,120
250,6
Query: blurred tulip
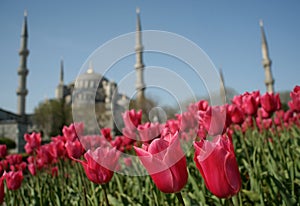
187,121
294,104
149,131
100,164
218,166
3,150
74,149
106,132
74,131
33,142
165,162
14,159
132,119
14,179
32,169
54,171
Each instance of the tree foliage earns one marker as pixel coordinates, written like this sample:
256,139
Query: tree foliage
51,115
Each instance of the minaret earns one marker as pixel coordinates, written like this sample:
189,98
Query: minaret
59,93
222,87
266,61
139,66
61,77
22,70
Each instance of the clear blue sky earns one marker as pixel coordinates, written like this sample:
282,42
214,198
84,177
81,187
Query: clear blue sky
228,31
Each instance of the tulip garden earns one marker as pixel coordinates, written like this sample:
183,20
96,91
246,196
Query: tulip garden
243,153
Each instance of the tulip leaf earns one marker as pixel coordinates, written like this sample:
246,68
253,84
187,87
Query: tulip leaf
253,196
114,201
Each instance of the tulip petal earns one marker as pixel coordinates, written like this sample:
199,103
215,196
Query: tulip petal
231,172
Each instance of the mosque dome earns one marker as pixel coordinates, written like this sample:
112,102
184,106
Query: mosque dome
90,84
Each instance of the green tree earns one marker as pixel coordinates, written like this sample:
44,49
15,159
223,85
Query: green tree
51,115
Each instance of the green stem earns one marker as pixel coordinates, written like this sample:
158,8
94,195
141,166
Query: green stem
235,200
39,189
105,195
180,199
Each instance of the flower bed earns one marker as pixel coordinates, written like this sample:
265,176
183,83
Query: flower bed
243,153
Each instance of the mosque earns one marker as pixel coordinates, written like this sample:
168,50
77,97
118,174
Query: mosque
104,93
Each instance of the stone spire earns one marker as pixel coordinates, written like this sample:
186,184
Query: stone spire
222,87
60,89
61,77
22,70
139,66
266,61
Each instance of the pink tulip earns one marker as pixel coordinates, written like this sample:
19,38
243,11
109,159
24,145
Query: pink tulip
165,162
235,114
249,105
149,131
33,142
100,164
14,179
295,102
3,150
32,169
45,156
74,149
217,164
214,120
54,171
132,119
203,105
14,159
187,121
74,131
270,102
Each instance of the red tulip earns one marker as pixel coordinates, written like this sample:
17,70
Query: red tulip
218,166
33,142
57,149
14,159
3,150
14,179
45,156
32,169
74,149
270,102
214,120
249,105
21,166
235,114
106,132
295,102
165,162
203,105
54,171
100,164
